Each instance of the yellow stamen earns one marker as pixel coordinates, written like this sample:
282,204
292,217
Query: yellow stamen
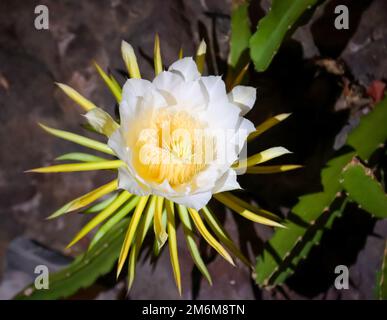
172,153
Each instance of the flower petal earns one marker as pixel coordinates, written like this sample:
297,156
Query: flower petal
244,97
245,128
166,82
205,180
195,201
227,182
215,88
187,68
116,143
154,99
190,96
136,87
128,182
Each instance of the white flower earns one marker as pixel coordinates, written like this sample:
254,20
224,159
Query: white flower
158,135
181,139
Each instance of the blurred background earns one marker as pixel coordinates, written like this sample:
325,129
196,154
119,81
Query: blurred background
324,76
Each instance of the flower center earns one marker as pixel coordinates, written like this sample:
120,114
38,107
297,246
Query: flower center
172,148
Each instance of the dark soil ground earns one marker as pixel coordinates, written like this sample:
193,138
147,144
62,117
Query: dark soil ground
320,74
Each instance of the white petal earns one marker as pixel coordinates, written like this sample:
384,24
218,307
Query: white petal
117,144
221,115
244,97
127,179
182,87
245,128
128,109
154,99
187,68
167,81
195,201
132,92
190,95
176,91
135,112
227,182
239,140
162,189
136,88
215,88
127,182
205,180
